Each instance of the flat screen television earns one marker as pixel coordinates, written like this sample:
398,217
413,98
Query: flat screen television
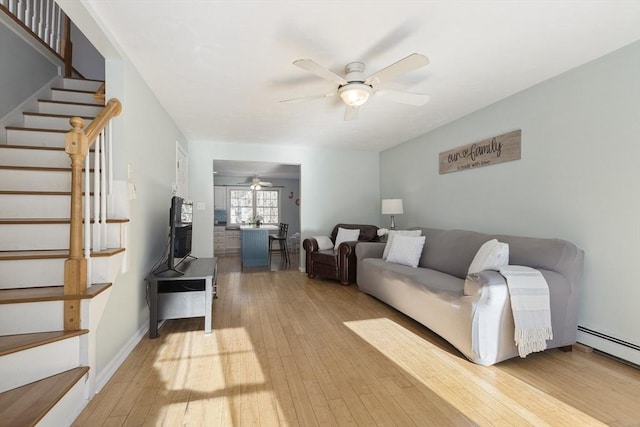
180,229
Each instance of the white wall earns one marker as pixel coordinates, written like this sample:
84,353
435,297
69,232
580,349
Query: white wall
578,179
335,186
144,138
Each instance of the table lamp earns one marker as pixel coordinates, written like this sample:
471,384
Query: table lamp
392,207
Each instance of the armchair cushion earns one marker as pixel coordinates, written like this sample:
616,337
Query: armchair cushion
324,242
346,235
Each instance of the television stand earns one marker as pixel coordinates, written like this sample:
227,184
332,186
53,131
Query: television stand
188,294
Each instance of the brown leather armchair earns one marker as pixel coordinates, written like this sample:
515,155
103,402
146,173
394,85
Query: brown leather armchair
339,264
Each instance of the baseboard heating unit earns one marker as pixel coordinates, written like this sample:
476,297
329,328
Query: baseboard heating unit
610,345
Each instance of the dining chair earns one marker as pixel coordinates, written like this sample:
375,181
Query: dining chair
281,238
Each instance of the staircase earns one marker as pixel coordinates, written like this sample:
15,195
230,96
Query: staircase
47,373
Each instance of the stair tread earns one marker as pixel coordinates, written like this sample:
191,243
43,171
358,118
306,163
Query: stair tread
70,103
40,168
29,129
31,147
48,293
38,397
54,220
14,343
53,254
73,90
60,116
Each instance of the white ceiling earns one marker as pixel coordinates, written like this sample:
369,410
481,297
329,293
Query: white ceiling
220,68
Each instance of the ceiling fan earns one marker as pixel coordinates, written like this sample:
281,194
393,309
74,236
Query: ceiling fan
355,89
256,183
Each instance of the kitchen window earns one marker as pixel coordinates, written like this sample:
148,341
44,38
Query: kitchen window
245,205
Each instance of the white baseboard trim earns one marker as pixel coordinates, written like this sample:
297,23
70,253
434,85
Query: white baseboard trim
103,377
608,346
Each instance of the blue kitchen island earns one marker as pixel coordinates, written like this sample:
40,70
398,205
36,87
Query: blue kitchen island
254,245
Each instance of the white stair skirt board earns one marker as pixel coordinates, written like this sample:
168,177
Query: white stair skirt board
69,96
29,317
35,273
78,84
68,408
35,180
34,137
71,109
36,206
50,122
41,158
24,367
26,237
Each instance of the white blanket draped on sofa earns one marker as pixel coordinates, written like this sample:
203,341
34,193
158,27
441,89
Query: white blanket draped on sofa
531,310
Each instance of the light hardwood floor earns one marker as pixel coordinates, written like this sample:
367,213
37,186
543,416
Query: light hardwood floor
290,351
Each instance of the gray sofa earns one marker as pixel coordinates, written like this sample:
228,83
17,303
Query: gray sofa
474,315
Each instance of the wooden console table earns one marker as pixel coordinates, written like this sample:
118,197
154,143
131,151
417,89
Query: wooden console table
175,296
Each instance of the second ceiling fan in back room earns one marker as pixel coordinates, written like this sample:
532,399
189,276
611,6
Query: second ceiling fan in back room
355,89
256,184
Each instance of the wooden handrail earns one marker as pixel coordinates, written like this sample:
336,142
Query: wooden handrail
99,94
111,110
77,144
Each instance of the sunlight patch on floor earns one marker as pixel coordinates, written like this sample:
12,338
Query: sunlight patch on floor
485,395
217,377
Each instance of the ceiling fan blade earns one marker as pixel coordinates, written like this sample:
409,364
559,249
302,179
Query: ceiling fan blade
409,98
410,63
265,184
320,71
350,113
309,98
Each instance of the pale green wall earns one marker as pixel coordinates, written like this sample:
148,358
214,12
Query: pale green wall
578,179
23,70
335,185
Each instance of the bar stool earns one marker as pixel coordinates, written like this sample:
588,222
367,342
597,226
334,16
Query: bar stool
281,238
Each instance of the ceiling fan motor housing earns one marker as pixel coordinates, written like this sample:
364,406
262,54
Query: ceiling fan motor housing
355,92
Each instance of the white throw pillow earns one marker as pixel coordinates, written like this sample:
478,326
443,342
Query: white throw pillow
324,242
491,256
392,233
346,235
406,250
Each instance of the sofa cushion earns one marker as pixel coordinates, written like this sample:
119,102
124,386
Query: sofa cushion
406,250
491,256
346,235
451,251
432,280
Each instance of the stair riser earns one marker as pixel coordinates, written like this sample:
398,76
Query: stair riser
26,237
36,206
78,84
33,273
69,407
24,367
40,158
39,139
29,180
48,122
70,109
31,317
66,96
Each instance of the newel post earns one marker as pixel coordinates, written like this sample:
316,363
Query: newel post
75,267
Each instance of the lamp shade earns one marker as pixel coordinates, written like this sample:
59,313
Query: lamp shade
392,206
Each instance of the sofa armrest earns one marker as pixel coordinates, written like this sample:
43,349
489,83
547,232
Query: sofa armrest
474,283
369,250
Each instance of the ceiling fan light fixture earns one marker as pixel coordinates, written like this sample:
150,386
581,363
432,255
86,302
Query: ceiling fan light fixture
255,186
355,94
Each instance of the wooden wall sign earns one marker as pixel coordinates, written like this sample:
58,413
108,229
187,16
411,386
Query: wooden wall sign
490,151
